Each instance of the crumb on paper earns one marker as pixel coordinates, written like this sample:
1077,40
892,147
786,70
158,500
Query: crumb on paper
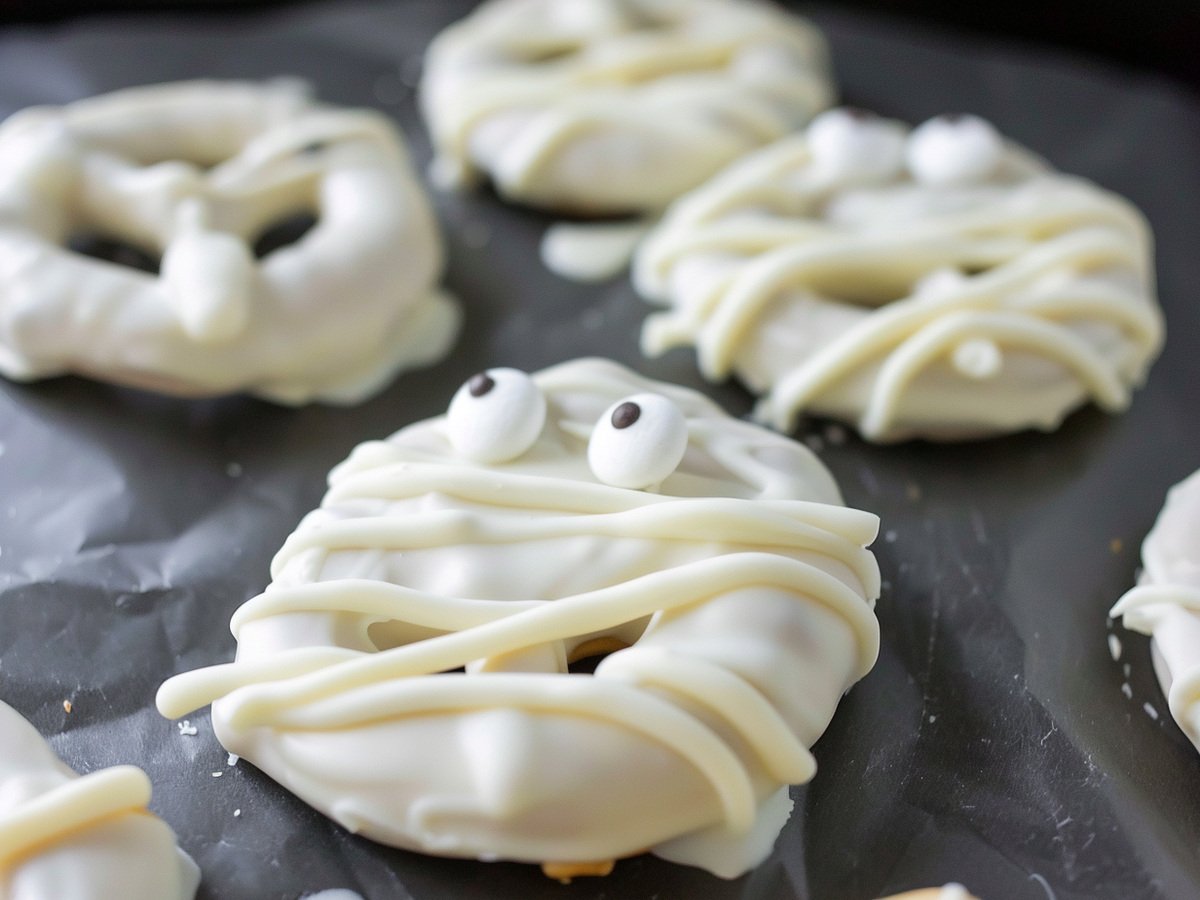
217,774
1150,710
233,759
237,813
1115,545
1127,691
67,706
187,729
1114,647
890,536
932,719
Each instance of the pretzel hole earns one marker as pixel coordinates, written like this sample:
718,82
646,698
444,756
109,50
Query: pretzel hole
283,233
114,251
584,658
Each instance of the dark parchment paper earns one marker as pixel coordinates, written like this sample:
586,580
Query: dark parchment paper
991,745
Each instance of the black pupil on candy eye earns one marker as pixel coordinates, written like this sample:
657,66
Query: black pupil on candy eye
480,384
626,414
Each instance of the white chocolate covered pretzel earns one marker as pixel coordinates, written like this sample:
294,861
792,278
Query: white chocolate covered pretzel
407,671
942,283
603,106
1166,602
195,171
63,837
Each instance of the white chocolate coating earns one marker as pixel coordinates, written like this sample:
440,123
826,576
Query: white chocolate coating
195,171
616,105
741,590
63,837
991,297
1166,602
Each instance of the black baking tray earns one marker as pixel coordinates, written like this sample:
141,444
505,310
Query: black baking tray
991,745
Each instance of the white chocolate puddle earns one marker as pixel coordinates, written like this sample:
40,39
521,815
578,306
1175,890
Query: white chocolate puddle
66,837
943,283
194,171
594,252
1166,602
734,598
615,106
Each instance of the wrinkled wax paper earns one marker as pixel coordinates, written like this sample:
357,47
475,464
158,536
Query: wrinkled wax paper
991,745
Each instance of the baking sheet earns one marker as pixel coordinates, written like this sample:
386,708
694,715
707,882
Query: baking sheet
992,743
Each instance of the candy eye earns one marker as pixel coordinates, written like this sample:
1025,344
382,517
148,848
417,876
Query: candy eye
953,150
496,416
849,143
638,441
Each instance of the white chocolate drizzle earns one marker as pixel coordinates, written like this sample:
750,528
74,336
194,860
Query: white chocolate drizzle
791,545
72,805
947,310
615,105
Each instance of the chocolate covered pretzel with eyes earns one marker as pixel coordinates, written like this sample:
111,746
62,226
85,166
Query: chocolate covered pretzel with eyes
940,281
422,667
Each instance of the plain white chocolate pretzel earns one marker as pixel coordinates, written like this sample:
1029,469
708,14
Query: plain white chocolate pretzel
736,592
194,171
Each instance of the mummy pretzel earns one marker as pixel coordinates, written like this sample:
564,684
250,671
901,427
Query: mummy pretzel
412,669
1166,603
63,837
941,282
196,171
616,106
